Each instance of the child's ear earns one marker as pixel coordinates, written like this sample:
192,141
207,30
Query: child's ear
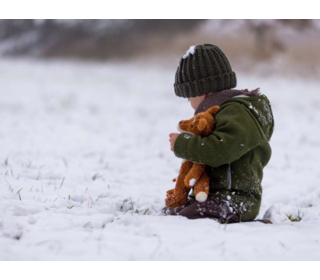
202,124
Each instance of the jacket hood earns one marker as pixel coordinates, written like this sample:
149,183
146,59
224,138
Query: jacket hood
259,107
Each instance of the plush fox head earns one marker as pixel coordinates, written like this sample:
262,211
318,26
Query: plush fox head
201,124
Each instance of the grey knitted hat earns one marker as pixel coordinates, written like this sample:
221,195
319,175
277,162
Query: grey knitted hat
203,69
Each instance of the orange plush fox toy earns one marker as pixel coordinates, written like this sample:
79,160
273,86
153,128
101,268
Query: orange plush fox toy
193,174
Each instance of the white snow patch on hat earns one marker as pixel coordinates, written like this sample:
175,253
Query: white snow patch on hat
189,51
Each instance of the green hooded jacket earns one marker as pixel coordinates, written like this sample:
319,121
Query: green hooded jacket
235,153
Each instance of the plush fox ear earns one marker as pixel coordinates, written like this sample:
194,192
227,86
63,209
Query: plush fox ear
213,110
202,124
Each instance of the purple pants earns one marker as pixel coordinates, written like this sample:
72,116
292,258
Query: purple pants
214,208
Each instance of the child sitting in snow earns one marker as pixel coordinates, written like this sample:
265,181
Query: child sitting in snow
238,148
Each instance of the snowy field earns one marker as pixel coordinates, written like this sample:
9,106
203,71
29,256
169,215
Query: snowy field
86,161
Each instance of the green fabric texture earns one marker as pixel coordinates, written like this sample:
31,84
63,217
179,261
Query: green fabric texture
235,153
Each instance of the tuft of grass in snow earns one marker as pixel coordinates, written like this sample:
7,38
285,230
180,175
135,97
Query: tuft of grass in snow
125,208
124,202
9,185
18,193
310,203
6,161
99,197
96,176
294,218
131,208
62,182
18,236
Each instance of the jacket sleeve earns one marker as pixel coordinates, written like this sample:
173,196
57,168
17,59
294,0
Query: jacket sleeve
235,134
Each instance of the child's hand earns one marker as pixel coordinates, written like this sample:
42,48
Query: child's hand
173,137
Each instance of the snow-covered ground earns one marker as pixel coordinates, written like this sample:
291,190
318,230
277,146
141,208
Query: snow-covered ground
86,161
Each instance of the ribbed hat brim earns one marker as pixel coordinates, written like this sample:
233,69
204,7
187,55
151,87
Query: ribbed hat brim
206,85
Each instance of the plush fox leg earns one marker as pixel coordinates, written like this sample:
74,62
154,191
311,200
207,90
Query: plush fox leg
194,175
170,192
201,188
178,196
